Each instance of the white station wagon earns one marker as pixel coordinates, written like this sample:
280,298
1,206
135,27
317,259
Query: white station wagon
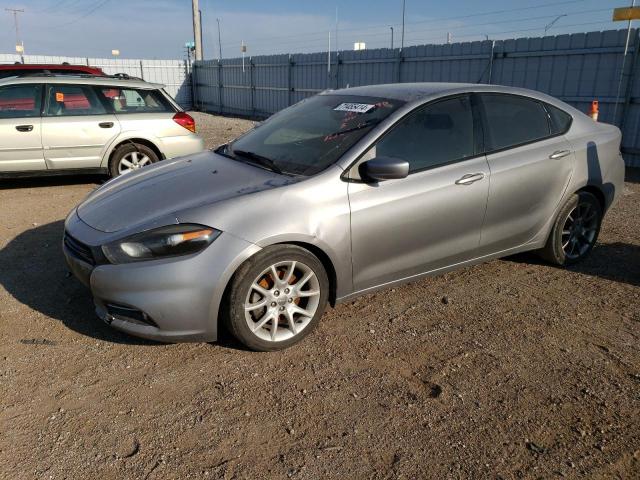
66,124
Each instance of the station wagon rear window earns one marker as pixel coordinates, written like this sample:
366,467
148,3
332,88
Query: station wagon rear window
131,100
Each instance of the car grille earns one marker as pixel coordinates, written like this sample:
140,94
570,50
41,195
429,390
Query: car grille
78,249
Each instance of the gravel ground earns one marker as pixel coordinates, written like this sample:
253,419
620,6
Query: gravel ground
511,369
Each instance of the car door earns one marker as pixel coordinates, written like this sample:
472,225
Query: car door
20,123
530,164
77,127
430,219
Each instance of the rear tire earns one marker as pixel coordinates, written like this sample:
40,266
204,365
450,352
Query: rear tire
130,157
575,230
266,313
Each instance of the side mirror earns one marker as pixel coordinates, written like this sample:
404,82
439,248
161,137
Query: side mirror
383,168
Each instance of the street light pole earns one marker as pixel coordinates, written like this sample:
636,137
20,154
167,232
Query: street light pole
15,12
391,37
552,23
219,41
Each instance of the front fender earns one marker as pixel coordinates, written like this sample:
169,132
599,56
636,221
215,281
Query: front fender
341,267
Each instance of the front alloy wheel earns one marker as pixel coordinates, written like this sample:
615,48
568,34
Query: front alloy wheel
276,298
282,301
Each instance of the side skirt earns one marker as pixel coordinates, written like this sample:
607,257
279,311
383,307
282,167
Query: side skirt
534,245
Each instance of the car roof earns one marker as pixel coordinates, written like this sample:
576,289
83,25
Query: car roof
49,66
81,80
414,92
406,92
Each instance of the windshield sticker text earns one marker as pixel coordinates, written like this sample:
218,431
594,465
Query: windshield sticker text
354,107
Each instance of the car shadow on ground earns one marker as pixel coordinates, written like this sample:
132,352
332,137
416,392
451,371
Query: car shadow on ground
619,262
632,175
33,271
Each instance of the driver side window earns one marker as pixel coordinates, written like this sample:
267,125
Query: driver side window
435,135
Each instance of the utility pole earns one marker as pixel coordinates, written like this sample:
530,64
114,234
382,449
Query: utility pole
336,30
197,29
402,36
219,41
19,44
329,60
391,37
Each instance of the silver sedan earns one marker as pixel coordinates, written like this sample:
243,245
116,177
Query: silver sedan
337,196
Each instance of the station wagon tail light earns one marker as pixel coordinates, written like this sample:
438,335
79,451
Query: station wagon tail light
185,120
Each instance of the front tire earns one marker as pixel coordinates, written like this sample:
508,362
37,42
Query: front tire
575,230
276,298
130,157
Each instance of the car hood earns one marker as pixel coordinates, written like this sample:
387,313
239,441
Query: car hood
171,186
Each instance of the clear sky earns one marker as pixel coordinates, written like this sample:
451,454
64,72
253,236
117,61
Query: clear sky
159,28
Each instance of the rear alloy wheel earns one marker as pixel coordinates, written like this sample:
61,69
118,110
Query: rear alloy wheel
131,157
277,298
575,231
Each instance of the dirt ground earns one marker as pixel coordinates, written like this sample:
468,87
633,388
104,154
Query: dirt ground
512,369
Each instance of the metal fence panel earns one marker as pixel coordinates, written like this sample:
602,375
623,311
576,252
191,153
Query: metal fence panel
575,68
173,74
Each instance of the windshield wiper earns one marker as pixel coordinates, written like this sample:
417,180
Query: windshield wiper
368,123
261,160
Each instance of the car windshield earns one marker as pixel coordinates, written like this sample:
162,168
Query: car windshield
307,137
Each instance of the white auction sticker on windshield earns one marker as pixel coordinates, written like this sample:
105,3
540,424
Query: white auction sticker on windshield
354,107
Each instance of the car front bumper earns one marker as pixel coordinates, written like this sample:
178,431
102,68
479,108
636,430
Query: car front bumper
172,300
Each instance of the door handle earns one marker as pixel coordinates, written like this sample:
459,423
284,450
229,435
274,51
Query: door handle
105,124
469,178
24,128
559,154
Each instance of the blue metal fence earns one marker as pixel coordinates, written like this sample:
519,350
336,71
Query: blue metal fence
576,68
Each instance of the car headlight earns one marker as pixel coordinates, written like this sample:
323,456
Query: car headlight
169,241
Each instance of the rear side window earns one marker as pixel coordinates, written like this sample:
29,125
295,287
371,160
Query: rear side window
511,120
19,101
69,100
437,134
560,120
129,100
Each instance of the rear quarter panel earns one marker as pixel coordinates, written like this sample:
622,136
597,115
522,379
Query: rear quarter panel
599,162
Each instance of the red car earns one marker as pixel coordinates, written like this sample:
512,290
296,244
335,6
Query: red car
62,69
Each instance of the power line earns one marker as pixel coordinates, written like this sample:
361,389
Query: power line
451,29
91,10
322,33
477,34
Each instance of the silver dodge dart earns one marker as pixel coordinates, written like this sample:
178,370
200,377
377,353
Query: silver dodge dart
339,195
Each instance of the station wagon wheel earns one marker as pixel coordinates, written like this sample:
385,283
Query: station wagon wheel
277,297
575,230
132,161
130,157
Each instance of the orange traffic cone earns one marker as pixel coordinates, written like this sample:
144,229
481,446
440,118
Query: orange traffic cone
593,113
